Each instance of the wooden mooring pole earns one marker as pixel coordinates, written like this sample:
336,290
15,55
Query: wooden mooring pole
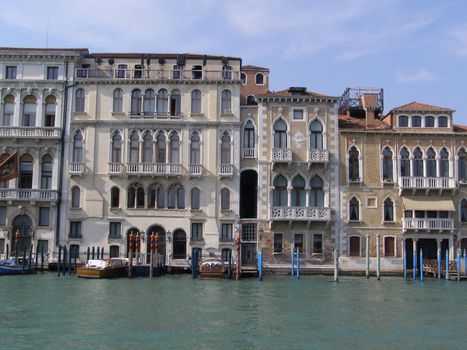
378,257
336,266
367,256
237,268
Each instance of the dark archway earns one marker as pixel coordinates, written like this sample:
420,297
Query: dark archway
160,232
179,244
248,194
23,225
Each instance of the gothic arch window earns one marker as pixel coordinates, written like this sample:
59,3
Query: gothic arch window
430,163
417,163
78,149
225,148
405,162
162,102
354,209
147,147
249,135
388,210
225,199
226,102
161,147
387,164
114,197
116,154
176,197
156,196
136,102
46,172
195,148
316,135
462,165
463,208
174,148
75,197
195,198
135,196
354,164
298,192
118,101
175,102
149,102
133,156
280,134
280,194
80,100
196,102
316,198
443,165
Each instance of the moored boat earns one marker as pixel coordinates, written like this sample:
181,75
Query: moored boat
103,268
16,266
212,268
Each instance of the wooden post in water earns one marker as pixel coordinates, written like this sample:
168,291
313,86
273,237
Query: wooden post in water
64,260
30,259
130,265
194,263
69,261
260,264
59,259
102,252
292,262
421,265
336,266
378,257
16,243
298,264
137,248
98,253
438,241
404,256
458,265
42,259
229,267
414,253
158,257
7,250
92,253
24,258
152,240
367,251
88,253
74,262
37,259
237,268
447,263
465,263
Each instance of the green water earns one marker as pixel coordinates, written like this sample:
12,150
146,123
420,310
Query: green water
176,312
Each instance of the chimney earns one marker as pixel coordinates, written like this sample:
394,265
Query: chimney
369,102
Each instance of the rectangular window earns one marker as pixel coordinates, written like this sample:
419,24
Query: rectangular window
2,246
278,243
138,73
114,251
389,246
226,233
371,202
52,73
75,229
196,231
10,72
318,244
115,229
298,114
298,242
2,215
44,216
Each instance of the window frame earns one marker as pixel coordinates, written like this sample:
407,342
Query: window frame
281,251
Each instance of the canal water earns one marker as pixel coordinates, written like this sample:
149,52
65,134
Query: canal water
176,312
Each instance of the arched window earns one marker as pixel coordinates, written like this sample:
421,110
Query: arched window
8,110
162,102
280,134
462,165
196,102
388,214
389,247
280,194
195,198
195,148
136,102
226,102
4,184
259,79
225,148
442,122
136,196
243,78
417,168
316,198
160,148
156,196
249,135
175,103
443,165
78,147
403,121
225,199
430,165
176,197
251,100
227,72
464,210
25,171
50,111
80,101
387,164
75,197
133,156
354,246
118,101
354,209
298,192
354,164
147,147
116,156
29,111
416,121
316,135
405,162
429,122
114,197
149,102
174,148
46,172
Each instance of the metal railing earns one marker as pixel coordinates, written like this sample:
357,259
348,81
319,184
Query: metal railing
428,224
226,169
427,182
154,115
28,194
318,156
33,131
300,213
281,154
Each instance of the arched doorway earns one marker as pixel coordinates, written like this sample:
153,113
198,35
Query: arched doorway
160,232
134,231
23,225
179,244
248,193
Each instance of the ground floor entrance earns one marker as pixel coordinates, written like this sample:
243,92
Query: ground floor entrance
429,248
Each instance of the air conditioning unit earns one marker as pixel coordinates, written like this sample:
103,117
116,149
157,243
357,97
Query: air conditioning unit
227,111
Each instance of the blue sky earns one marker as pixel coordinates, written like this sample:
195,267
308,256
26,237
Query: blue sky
415,50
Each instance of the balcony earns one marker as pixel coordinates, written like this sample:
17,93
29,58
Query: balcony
115,169
226,169
195,170
27,194
249,152
153,169
428,224
154,74
281,155
76,169
427,183
28,132
154,115
318,156
300,214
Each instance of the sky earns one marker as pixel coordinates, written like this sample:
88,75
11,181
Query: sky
415,50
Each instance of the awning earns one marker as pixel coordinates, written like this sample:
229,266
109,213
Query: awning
424,203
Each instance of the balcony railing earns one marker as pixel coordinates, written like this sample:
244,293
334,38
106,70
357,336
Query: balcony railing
155,74
76,168
406,182
153,169
154,115
300,213
28,194
249,152
115,169
224,238
195,170
115,236
33,131
225,169
281,155
428,224
318,156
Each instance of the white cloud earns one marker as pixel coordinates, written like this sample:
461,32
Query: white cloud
459,44
419,76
